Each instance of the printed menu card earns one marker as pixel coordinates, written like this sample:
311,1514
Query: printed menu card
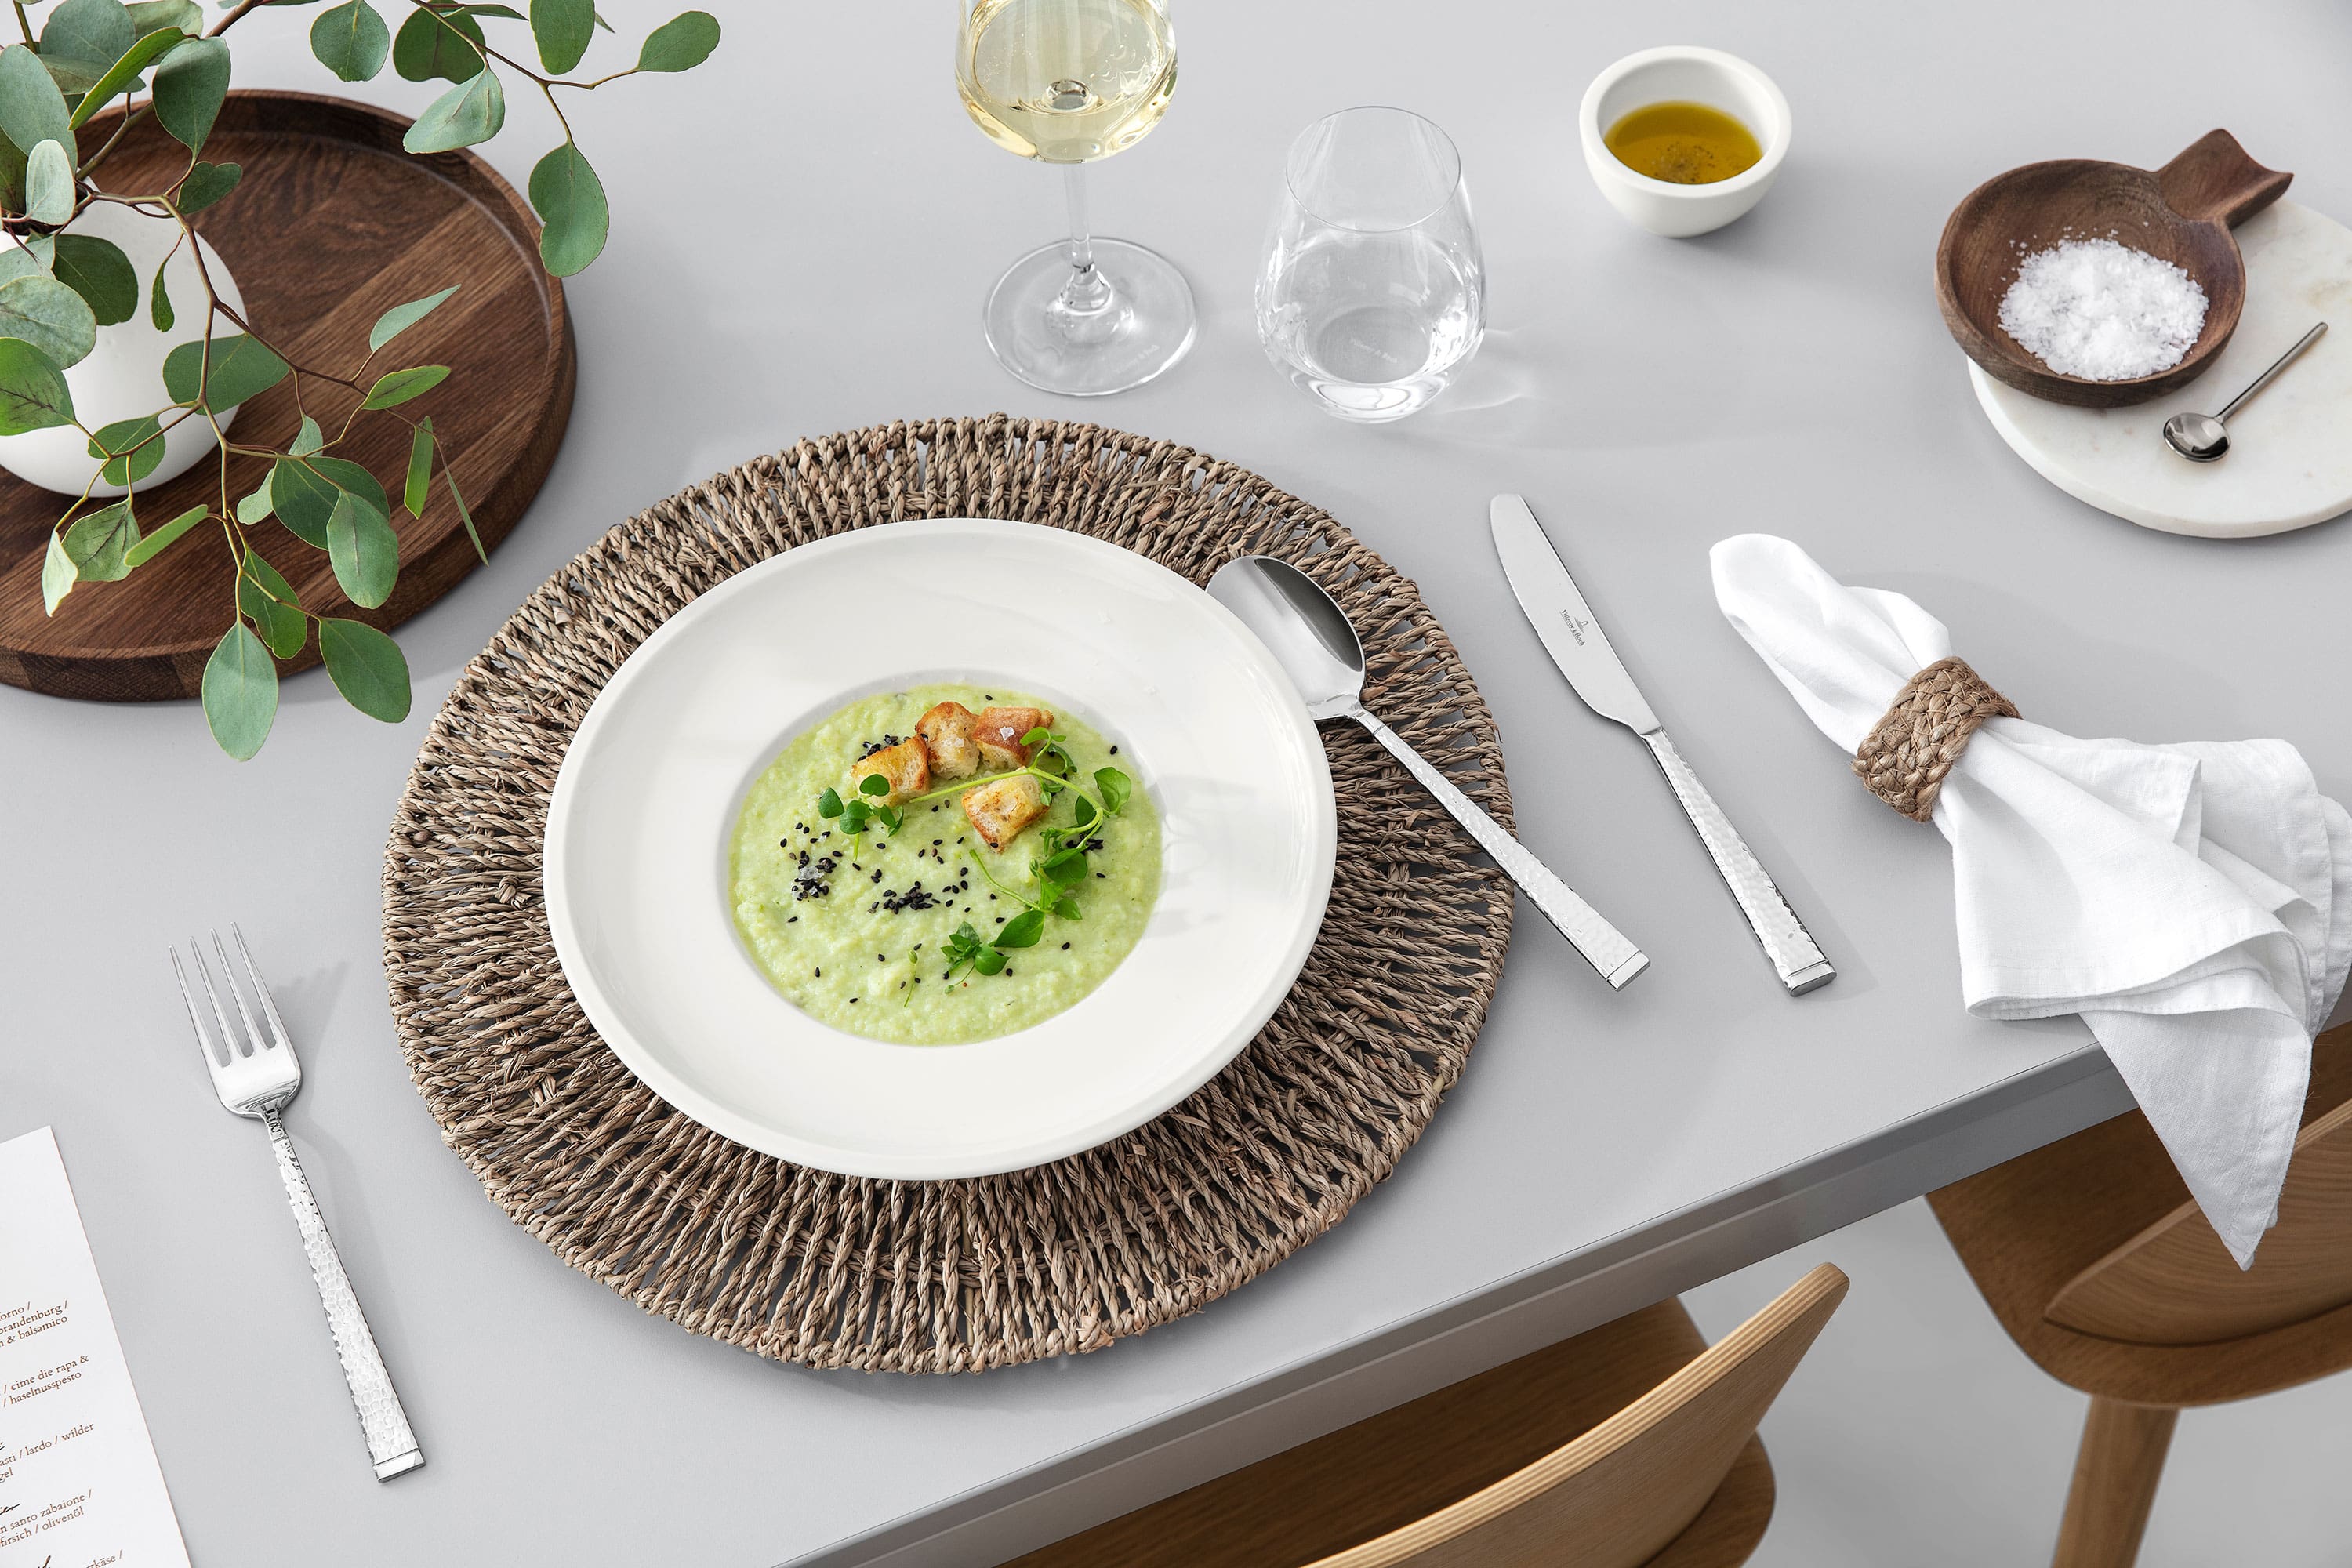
79,1483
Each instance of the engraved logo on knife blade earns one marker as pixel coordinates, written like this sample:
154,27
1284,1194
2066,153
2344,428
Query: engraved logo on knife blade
1576,629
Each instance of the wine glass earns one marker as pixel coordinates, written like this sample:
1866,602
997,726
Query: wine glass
1069,81
1373,291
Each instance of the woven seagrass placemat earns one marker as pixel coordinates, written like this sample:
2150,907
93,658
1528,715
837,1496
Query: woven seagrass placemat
833,1272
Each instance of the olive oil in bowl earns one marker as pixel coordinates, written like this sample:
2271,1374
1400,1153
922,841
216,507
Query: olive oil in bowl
1682,143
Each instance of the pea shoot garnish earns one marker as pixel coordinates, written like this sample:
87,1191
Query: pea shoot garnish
1058,869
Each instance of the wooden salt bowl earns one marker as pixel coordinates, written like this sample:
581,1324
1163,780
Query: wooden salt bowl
2181,213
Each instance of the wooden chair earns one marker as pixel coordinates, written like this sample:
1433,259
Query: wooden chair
1631,1447
2093,1258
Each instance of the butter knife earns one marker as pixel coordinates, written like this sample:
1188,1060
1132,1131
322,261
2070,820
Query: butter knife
1574,639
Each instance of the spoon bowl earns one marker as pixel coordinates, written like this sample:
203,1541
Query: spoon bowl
1308,634
2181,213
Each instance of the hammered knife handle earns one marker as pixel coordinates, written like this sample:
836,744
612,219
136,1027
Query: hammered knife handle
1791,947
390,1444
1604,945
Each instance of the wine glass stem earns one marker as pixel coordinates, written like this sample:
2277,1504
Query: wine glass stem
1086,291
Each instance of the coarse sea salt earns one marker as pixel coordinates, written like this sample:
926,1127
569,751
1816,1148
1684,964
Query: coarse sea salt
2102,310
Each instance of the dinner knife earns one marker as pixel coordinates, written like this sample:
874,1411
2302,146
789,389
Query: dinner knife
1573,638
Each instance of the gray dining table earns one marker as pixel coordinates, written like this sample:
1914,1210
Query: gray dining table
805,230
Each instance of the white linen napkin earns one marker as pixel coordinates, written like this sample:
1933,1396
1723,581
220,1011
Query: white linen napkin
2192,901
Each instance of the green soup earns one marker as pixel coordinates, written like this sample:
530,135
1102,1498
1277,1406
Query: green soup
857,936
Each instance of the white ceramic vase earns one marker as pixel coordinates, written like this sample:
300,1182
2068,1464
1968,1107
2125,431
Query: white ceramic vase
123,377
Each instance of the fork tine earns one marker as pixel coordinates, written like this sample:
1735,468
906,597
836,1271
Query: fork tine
254,1042
278,1036
229,1035
213,1059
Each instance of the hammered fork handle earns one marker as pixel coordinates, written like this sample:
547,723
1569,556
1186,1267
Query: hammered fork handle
390,1444
1796,957
1601,944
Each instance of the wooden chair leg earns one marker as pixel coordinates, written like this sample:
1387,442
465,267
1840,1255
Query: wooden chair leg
2116,1473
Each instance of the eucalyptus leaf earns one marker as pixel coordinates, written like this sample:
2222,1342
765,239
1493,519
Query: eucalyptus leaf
122,75
420,468
154,544
44,313
398,386
48,183
367,666
158,300
240,692
96,270
32,111
470,112
443,44
504,12
680,44
152,16
269,602
189,87
561,29
364,551
20,261
254,509
207,184
308,439
449,477
96,545
33,394
57,575
350,40
97,31
304,490
400,318
573,212
241,367
74,78
129,447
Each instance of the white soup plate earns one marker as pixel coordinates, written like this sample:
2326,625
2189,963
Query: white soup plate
645,807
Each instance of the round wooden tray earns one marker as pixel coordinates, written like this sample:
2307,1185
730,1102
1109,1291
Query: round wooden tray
331,225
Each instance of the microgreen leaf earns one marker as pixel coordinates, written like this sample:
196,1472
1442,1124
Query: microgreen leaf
874,783
828,805
1083,812
988,961
1067,909
1115,787
1023,929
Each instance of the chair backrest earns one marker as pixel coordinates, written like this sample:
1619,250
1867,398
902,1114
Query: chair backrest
1616,1496
2175,1284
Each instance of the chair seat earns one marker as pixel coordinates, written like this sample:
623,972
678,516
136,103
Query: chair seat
1384,1473
2027,1229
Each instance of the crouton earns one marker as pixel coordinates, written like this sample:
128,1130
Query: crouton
907,767
999,811
946,732
999,732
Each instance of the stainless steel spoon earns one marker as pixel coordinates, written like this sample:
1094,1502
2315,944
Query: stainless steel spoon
2200,437
1309,636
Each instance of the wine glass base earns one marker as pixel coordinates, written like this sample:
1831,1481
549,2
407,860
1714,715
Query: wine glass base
1148,327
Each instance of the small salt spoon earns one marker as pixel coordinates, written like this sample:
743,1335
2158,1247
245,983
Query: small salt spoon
2200,437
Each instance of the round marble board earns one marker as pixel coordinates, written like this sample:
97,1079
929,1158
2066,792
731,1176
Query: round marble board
2290,459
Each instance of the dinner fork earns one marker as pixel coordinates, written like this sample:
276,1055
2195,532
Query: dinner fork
257,1074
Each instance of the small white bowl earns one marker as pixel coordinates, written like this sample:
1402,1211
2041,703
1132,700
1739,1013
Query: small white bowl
1680,73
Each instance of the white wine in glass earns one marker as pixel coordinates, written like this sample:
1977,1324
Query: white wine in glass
1069,81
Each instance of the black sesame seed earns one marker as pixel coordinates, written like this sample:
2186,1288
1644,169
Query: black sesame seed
1066,947
1114,750
853,1001
820,975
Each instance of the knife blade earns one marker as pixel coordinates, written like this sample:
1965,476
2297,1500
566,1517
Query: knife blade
1571,634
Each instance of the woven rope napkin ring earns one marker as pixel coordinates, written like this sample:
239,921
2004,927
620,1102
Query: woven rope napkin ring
1903,759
